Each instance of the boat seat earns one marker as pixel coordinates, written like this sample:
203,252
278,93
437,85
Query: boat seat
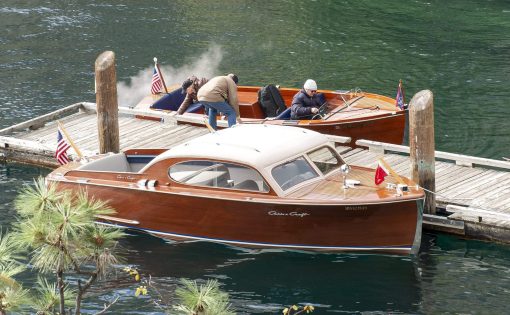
170,101
248,184
112,163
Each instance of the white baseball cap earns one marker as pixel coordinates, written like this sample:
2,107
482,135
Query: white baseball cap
310,85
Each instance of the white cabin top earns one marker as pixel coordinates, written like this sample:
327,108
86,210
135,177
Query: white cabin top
253,144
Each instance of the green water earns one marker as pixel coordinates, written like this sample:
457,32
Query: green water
457,49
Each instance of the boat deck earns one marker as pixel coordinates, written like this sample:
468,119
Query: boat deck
474,191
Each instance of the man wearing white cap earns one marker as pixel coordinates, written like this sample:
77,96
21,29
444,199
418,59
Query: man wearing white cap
306,102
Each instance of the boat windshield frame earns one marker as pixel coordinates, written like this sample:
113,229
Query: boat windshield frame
324,164
306,167
293,172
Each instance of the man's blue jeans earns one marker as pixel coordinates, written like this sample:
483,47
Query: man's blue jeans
222,107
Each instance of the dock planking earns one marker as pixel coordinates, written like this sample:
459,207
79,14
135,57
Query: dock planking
473,194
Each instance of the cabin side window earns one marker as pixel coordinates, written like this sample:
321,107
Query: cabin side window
325,159
293,172
218,174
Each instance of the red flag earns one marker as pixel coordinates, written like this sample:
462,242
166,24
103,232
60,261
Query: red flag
62,147
380,173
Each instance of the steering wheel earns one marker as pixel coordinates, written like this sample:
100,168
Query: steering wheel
323,110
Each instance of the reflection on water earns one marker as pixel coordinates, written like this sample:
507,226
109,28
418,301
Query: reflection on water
269,279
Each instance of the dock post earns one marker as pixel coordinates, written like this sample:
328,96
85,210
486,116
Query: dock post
106,102
422,146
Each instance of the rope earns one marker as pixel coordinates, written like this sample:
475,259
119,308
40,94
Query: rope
443,196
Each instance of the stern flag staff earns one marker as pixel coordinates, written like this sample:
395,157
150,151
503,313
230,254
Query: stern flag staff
400,96
62,147
157,79
380,173
384,169
64,142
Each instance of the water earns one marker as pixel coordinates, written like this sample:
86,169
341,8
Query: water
457,49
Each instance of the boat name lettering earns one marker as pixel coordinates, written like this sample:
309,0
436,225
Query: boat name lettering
290,214
356,208
125,177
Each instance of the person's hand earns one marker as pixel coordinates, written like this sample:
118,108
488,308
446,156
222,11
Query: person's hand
315,110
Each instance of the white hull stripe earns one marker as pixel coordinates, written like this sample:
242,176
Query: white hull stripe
241,243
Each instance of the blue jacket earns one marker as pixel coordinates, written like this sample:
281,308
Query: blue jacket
302,104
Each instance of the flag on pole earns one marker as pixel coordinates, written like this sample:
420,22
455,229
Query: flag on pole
156,83
62,147
400,96
380,173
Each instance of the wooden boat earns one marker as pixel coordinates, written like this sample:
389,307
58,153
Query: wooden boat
354,114
254,186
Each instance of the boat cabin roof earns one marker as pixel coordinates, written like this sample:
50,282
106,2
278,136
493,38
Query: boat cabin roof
257,145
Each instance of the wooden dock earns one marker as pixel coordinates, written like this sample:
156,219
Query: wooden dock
472,194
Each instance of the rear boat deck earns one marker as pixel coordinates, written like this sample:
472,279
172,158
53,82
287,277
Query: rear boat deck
475,192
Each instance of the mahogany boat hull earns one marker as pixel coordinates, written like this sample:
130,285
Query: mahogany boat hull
356,115
393,227
388,128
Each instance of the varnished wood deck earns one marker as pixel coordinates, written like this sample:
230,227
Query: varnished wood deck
475,190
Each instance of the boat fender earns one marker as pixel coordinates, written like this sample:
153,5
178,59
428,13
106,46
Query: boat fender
142,182
403,187
352,182
152,183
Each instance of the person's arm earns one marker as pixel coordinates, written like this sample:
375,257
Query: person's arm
232,96
185,104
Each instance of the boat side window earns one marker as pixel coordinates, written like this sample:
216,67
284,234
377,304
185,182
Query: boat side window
293,172
325,159
218,174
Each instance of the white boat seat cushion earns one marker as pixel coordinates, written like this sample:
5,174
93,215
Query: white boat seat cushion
112,163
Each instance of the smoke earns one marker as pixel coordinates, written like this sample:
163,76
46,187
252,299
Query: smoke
139,86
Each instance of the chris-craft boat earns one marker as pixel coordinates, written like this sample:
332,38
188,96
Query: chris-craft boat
354,114
254,186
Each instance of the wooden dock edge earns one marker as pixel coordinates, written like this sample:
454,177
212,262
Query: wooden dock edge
482,224
459,159
443,224
471,223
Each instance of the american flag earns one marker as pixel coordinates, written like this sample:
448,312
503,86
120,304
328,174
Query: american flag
400,96
62,146
156,84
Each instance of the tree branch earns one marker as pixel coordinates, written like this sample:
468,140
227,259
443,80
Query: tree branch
106,307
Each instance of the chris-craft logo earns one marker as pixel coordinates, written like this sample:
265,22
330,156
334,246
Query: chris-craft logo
288,214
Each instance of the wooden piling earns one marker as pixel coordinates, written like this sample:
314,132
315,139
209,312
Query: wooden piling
106,100
422,145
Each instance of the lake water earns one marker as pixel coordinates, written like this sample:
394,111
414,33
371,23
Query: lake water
458,49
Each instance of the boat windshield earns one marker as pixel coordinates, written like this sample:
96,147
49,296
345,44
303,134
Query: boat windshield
325,159
291,173
218,174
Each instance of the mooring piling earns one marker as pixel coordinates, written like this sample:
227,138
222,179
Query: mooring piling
422,145
106,100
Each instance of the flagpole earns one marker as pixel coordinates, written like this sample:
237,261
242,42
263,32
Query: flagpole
403,94
160,74
70,140
211,130
392,172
